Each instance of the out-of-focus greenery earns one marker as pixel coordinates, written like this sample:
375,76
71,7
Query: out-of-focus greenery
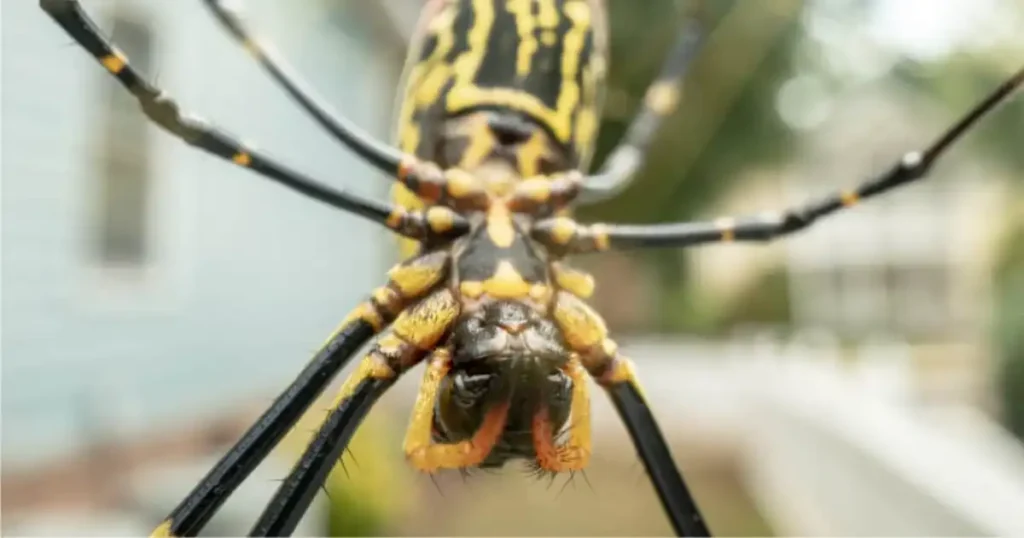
726,123
1009,329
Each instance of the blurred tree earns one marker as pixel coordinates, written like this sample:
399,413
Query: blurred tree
728,124
1008,327
725,125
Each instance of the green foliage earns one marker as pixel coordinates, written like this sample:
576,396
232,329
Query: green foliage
725,125
1009,330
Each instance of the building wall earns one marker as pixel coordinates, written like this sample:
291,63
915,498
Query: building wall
241,279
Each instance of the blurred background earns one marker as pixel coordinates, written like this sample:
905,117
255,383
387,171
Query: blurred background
863,378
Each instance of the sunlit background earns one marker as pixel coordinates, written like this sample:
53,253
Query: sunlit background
863,378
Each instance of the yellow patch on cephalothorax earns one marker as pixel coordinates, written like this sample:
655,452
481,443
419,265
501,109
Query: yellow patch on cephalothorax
471,289
572,280
114,62
499,225
426,322
506,283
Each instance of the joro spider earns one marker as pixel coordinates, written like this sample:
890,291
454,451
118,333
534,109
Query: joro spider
497,125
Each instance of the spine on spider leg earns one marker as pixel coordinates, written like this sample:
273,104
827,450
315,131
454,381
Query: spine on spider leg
205,499
407,281
292,499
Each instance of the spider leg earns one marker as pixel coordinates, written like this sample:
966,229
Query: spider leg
165,112
453,188
586,334
566,236
380,155
660,101
408,281
412,336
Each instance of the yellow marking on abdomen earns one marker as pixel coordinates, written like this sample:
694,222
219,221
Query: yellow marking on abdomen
526,26
579,14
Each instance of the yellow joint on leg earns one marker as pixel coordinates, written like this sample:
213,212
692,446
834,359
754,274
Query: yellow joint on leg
114,62
849,198
366,312
396,217
572,280
599,232
563,230
621,371
371,367
537,190
727,227
242,158
163,530
460,184
440,219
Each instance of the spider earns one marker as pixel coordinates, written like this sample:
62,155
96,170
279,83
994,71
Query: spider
496,131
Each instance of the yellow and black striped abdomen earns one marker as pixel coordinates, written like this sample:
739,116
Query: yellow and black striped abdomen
542,59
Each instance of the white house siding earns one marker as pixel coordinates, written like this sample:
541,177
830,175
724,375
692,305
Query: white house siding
247,278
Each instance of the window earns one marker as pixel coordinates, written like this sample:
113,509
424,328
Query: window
120,232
